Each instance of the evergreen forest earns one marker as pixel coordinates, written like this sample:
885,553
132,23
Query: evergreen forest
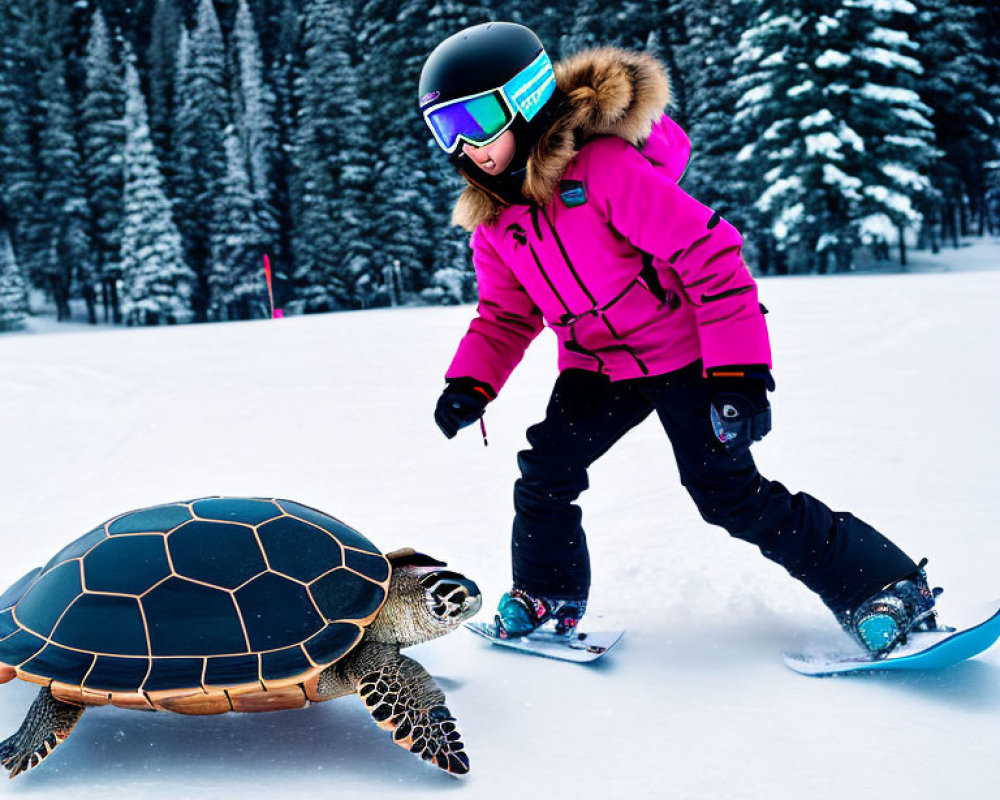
153,151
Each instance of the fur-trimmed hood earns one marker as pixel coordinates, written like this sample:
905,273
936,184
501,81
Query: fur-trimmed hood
609,92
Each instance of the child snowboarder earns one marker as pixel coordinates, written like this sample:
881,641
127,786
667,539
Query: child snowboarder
578,223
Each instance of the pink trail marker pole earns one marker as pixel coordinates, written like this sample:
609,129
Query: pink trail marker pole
275,314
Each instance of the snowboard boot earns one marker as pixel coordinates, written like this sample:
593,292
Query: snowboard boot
520,613
885,620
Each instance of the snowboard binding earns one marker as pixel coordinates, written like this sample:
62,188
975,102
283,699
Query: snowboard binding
884,621
520,614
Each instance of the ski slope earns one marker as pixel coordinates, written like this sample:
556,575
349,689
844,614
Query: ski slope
886,406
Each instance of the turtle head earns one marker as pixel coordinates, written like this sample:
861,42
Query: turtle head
426,600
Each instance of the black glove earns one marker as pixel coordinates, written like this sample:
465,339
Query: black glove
740,411
461,403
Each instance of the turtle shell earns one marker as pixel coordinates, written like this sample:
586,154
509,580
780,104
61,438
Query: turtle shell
191,606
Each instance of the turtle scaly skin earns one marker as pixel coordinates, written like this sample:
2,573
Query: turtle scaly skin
230,604
48,723
403,698
400,695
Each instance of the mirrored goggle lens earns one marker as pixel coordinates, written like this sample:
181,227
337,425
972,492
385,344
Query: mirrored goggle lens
477,120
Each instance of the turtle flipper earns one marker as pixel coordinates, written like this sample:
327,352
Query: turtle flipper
48,723
403,698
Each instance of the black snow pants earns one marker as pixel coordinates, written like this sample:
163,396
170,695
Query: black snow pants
835,554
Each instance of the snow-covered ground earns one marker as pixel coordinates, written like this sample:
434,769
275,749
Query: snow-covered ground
887,387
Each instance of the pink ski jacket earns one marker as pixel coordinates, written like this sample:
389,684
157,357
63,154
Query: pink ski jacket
634,276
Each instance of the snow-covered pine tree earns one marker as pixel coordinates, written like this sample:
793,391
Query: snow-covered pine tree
834,135
257,126
13,287
360,227
799,199
282,28
166,28
173,162
238,242
547,19
202,115
21,52
416,168
332,243
960,84
988,35
626,23
68,264
103,140
895,125
321,283
405,219
8,101
703,37
157,285
59,22
587,28
255,103
269,16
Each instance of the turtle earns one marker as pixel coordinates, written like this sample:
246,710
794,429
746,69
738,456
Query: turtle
226,604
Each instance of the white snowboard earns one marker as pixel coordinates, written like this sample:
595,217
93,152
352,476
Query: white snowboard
581,647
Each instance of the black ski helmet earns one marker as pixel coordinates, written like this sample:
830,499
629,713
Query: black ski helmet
493,58
477,59
481,59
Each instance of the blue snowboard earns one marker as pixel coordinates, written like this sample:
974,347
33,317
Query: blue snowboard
924,651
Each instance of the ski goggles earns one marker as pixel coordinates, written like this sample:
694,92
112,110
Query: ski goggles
482,118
